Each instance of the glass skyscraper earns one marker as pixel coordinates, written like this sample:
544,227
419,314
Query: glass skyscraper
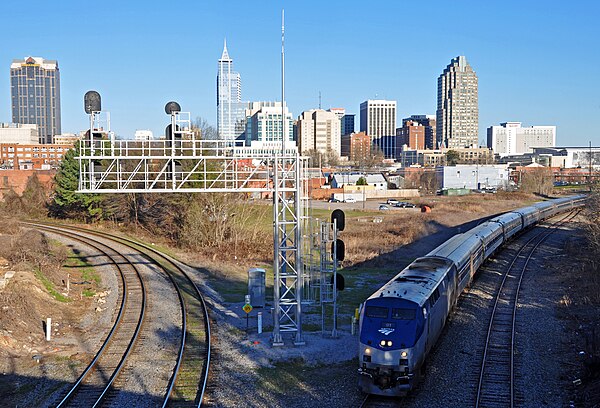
35,95
231,118
457,107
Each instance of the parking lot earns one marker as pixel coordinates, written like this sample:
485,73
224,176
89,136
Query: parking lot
369,205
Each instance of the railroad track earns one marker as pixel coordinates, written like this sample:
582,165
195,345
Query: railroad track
94,384
376,401
496,385
188,381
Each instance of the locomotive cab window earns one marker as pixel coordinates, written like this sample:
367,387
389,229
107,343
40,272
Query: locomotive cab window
434,297
377,312
403,314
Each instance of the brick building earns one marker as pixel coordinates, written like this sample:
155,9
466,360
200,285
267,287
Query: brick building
16,180
356,146
411,134
41,156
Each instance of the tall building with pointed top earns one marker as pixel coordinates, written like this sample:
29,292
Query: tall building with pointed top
35,95
457,116
230,109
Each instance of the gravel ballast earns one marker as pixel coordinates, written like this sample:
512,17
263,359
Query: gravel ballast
323,373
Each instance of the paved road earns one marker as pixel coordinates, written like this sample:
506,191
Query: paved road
369,205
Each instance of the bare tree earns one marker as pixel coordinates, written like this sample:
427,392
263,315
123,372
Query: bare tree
320,159
203,130
227,225
428,181
537,180
375,158
314,156
332,157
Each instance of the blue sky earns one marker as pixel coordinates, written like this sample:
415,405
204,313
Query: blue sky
538,62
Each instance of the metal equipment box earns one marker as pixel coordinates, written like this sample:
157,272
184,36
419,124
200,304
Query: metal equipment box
256,286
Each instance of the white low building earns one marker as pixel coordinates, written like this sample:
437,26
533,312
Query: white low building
571,157
19,133
143,135
472,177
66,139
341,180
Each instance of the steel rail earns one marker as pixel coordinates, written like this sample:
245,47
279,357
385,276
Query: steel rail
544,235
174,262
377,401
173,385
118,321
569,217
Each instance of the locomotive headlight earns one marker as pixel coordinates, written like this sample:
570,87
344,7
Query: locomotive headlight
403,354
389,343
382,343
368,351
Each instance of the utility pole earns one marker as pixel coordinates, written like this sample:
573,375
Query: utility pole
590,177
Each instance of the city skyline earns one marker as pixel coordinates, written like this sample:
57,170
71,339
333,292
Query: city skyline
537,74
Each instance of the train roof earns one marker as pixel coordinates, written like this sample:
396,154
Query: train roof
527,210
506,217
416,281
456,246
486,228
543,204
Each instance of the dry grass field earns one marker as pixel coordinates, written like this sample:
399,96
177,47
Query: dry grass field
367,240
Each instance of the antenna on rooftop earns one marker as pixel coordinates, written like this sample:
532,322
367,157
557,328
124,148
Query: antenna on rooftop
283,133
319,99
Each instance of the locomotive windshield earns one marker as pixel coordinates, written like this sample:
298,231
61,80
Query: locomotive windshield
391,319
404,314
377,312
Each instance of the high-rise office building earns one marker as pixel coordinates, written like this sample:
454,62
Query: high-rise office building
35,95
511,139
263,125
457,106
231,118
348,123
378,120
319,130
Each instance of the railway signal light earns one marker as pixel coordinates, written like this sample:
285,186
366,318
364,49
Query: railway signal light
340,282
172,107
92,102
339,219
339,249
171,136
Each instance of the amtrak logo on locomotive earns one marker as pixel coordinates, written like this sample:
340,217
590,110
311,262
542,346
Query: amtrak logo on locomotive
385,331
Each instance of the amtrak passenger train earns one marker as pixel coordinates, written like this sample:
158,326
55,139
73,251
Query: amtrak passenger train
401,322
